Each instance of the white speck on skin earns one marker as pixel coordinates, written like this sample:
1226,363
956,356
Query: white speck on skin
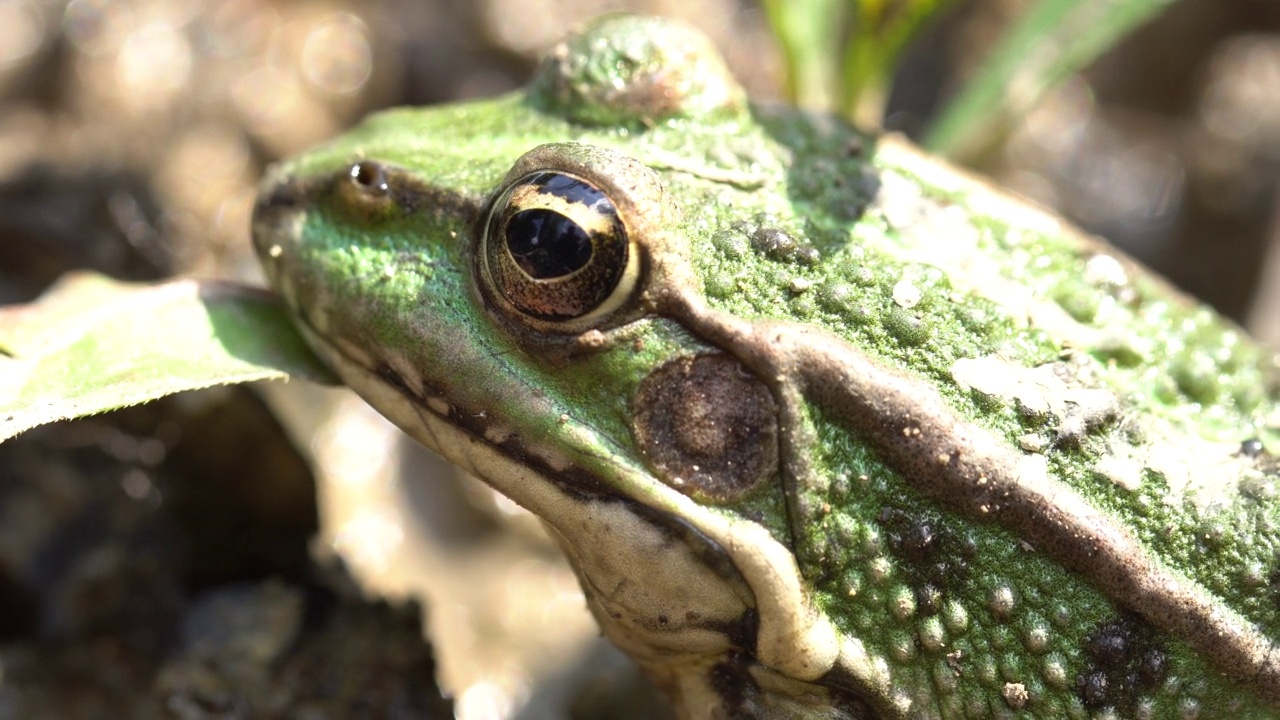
1191,467
1015,694
1193,470
1105,271
906,294
1032,443
1040,390
899,200
1122,470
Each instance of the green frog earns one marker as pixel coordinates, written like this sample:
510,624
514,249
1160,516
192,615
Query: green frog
826,428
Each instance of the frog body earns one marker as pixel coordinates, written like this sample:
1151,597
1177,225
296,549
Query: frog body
826,428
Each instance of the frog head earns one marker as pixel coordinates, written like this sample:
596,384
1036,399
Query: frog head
505,281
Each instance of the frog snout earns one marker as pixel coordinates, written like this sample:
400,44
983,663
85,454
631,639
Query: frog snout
279,207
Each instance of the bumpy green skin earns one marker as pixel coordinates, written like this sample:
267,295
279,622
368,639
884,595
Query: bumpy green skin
800,218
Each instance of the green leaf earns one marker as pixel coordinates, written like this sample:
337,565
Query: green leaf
92,344
1051,41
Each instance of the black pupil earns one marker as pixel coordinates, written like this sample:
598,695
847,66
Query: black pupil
546,244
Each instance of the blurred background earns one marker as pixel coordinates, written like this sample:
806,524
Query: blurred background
132,134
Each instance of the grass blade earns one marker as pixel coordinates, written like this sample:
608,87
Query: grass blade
1051,41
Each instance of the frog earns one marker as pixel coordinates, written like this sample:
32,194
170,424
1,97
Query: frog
826,427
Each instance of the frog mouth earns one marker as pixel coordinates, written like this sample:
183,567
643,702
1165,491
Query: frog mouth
580,509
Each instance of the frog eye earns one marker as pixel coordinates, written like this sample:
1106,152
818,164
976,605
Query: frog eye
555,247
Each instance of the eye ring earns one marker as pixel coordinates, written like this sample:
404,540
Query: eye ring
556,248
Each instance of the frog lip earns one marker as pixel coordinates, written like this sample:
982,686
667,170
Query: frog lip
475,440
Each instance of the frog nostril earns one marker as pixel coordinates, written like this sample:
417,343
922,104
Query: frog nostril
369,176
